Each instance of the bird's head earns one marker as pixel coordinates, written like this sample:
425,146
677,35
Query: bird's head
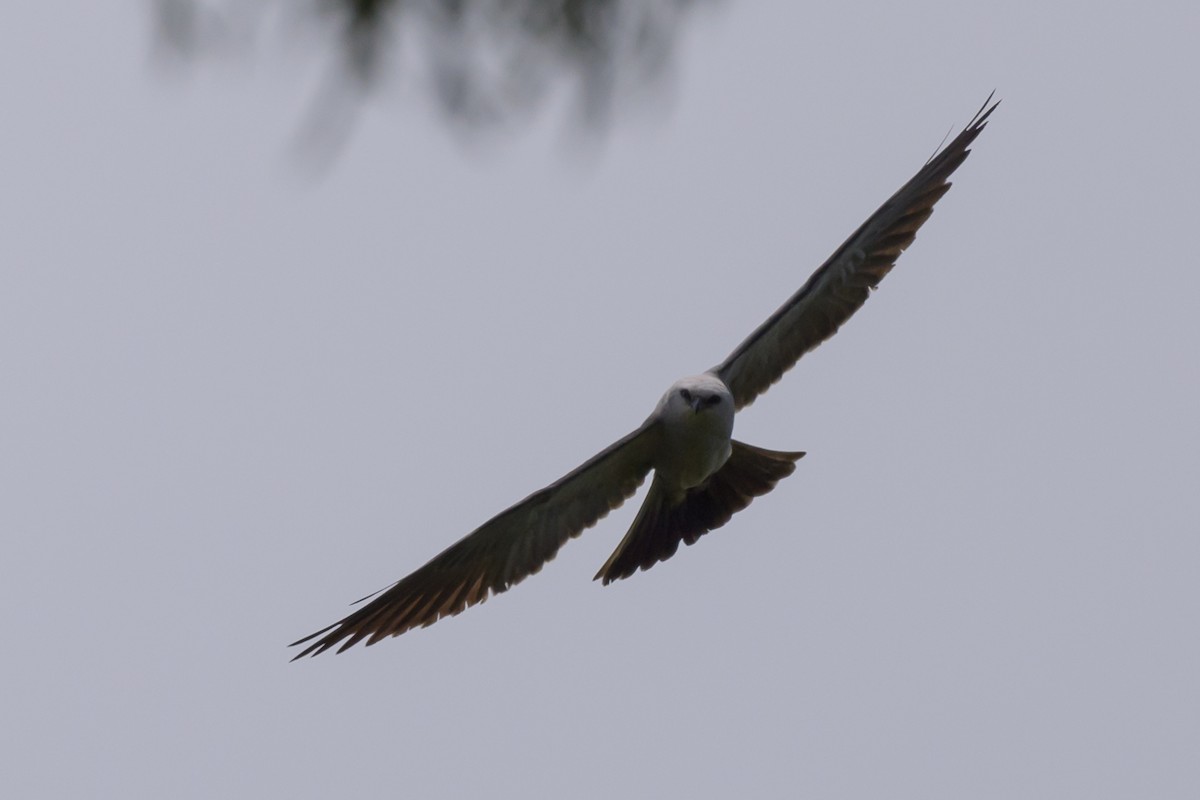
699,395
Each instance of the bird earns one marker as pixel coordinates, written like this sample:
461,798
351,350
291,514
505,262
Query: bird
702,476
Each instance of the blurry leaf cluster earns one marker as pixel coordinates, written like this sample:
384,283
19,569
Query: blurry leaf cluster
485,61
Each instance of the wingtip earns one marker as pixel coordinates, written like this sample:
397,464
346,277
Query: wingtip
303,653
979,121
316,648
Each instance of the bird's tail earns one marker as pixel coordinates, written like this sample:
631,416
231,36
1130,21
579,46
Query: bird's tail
663,522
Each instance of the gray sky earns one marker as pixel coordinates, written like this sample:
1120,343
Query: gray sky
235,400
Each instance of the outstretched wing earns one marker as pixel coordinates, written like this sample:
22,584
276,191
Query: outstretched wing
503,551
841,285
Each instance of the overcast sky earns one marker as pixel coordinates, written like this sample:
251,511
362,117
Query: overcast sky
236,399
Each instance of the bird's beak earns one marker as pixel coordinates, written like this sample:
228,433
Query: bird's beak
697,404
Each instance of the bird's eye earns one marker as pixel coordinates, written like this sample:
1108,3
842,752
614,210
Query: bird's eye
714,399
686,395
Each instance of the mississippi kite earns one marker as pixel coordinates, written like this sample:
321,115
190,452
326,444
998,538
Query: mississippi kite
702,476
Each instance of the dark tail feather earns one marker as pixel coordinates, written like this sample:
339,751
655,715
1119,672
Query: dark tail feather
662,524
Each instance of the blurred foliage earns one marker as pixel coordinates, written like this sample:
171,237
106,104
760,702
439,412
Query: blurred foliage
487,61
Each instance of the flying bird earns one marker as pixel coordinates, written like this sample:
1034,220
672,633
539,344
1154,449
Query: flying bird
702,476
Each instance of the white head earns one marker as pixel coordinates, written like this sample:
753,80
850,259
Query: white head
699,400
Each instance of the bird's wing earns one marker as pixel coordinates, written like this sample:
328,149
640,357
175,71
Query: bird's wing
841,285
503,551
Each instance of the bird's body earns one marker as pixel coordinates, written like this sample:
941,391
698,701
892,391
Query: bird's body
696,415
702,476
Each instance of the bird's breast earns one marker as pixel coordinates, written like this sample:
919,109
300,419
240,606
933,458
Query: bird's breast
694,447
